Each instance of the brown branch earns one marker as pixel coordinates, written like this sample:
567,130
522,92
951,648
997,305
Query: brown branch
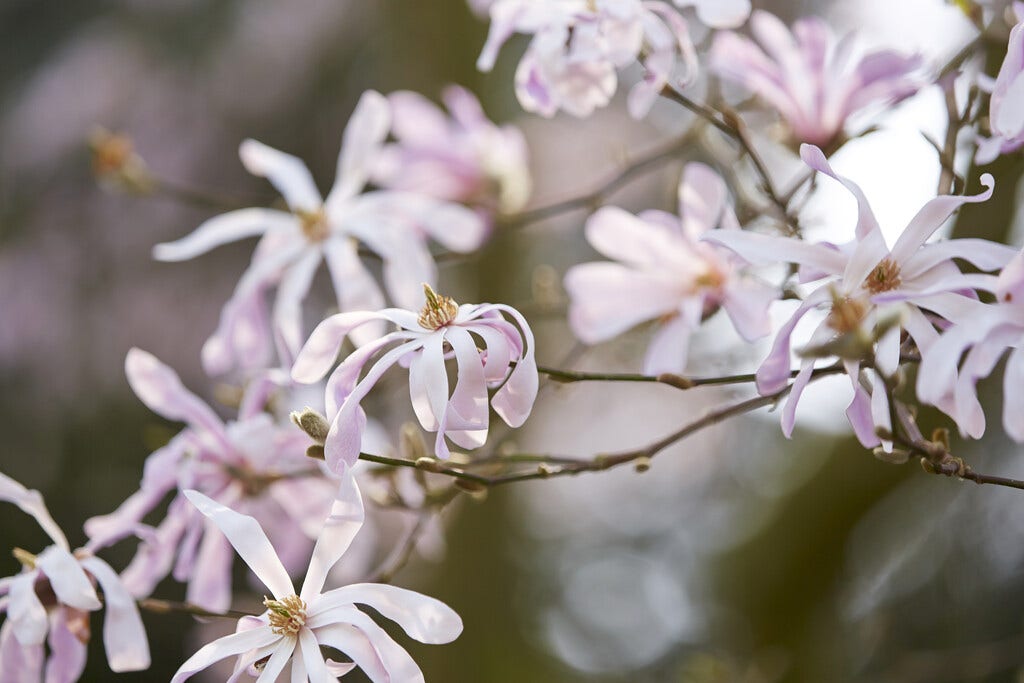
173,607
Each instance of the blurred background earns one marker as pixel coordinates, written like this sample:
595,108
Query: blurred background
740,556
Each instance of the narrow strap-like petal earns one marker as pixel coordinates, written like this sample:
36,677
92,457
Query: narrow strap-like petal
514,400
354,286
424,618
25,612
279,659
287,173
357,646
19,663
31,502
361,141
320,351
313,659
222,648
67,652
288,303
931,216
222,229
124,635
866,221
341,526
248,538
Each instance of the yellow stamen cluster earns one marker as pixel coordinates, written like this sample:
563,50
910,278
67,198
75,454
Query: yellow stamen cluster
885,277
287,616
847,315
23,556
438,311
314,224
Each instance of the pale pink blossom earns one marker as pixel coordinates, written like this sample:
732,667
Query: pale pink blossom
1006,106
253,464
662,271
395,225
290,633
50,601
863,283
462,157
423,342
985,333
579,45
814,81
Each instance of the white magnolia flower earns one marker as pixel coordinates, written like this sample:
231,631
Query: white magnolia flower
295,625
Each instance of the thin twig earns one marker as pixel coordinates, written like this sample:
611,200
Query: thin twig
171,606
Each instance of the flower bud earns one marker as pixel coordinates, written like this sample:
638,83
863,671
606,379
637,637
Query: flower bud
313,423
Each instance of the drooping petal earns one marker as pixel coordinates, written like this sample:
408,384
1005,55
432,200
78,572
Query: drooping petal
469,398
320,351
68,579
67,652
222,648
247,537
424,618
287,173
799,384
357,646
340,527
31,502
514,400
316,667
774,371
279,659
866,221
19,663
345,377
25,612
290,295
124,635
397,662
669,347
222,229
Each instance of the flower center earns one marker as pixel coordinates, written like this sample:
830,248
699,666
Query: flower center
288,616
438,311
885,277
846,314
314,224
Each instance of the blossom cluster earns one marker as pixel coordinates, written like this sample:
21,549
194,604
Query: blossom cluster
285,489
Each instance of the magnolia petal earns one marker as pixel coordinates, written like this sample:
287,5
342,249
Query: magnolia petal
867,224
766,250
287,173
629,239
1013,398
514,400
67,653
316,667
669,347
279,659
345,377
360,145
320,351
469,398
19,663
702,199
353,285
340,527
25,612
222,229
424,618
31,502
985,254
773,373
290,294
124,635
160,388
747,303
607,299
859,411
68,579
397,662
357,646
247,537
209,577
222,648
931,216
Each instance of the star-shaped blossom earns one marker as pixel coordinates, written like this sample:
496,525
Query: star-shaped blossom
1006,106
863,284
443,329
290,633
254,464
462,158
814,81
395,225
578,46
663,271
985,333
50,600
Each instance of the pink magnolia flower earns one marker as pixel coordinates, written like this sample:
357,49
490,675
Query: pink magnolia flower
578,45
663,271
290,633
462,158
442,330
864,283
1006,107
814,81
253,464
985,333
394,225
52,596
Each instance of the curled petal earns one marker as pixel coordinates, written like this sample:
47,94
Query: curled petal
69,580
31,502
424,618
321,349
159,387
514,400
124,635
867,224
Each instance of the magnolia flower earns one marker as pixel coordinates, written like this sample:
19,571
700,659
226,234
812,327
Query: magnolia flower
664,272
443,329
464,158
865,286
1006,107
578,45
290,633
394,225
253,464
814,81
985,335
53,595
